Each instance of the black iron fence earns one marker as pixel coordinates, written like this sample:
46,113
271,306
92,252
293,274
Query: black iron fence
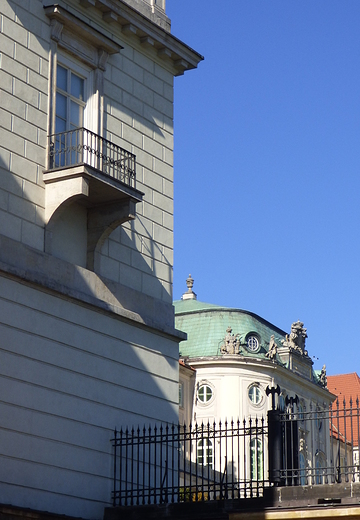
237,459
315,446
189,463
81,146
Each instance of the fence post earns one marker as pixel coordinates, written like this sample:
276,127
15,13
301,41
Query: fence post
274,447
274,438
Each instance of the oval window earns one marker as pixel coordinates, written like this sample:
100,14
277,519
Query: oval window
252,343
204,393
255,394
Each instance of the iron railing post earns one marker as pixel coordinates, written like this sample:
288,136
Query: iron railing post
275,447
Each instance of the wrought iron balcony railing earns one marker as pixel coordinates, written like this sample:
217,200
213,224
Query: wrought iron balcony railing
81,146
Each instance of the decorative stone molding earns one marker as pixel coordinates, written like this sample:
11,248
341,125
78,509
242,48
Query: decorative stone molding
56,30
110,17
149,28
146,41
103,57
79,38
129,29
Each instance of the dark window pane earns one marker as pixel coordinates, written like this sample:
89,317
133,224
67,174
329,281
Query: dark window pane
60,105
75,114
77,87
60,125
61,79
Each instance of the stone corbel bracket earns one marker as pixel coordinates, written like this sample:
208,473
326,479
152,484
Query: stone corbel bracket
109,204
102,220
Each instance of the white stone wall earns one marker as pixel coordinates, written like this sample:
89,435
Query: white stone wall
138,115
68,376
23,119
80,352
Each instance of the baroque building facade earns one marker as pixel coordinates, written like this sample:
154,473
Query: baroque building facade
88,341
238,357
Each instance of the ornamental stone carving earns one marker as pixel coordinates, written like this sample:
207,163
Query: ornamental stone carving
271,353
295,341
231,344
323,378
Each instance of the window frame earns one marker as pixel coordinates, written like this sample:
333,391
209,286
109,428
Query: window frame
256,459
252,336
91,96
205,452
205,385
252,387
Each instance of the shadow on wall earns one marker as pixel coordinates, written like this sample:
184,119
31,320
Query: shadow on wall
79,354
130,255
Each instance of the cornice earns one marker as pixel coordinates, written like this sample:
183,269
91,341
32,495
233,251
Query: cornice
59,17
131,23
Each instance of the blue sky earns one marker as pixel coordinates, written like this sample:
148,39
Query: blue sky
267,165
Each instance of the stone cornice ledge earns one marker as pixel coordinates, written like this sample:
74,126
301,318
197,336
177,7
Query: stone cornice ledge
74,282
58,13
132,23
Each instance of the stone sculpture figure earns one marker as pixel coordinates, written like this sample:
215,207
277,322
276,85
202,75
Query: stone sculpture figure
231,344
296,339
323,378
271,353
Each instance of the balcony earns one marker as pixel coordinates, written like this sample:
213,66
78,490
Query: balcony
81,146
90,171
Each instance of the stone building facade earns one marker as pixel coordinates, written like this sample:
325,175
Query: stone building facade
237,356
86,241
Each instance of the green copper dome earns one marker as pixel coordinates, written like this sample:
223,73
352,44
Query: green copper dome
208,330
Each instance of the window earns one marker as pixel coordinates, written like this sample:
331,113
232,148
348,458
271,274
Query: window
256,459
318,415
320,467
77,150
205,455
302,469
301,409
205,393
282,405
252,343
69,116
70,95
255,394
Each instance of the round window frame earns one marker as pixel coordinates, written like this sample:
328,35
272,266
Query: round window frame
205,384
260,393
252,336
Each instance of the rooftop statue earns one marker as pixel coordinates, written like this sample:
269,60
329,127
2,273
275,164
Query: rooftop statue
296,339
271,353
323,378
231,344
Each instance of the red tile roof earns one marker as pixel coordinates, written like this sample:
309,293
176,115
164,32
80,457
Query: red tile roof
346,387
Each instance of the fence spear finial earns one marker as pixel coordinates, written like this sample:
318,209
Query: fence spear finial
273,390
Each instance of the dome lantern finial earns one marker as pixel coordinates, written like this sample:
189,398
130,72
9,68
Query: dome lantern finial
189,295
